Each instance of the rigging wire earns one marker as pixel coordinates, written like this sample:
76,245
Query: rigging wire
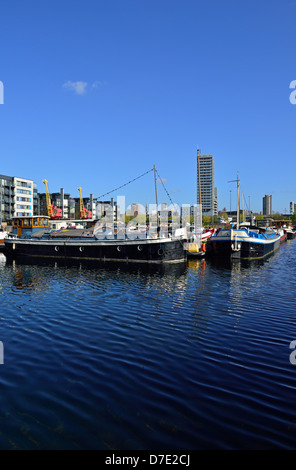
180,241
131,181
165,189
248,206
138,177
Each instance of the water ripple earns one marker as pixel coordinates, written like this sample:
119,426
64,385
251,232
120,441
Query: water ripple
128,357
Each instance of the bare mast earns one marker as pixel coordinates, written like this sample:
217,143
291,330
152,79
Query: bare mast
156,198
238,202
198,170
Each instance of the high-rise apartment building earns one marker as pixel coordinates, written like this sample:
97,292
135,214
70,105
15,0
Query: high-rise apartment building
207,194
267,205
16,197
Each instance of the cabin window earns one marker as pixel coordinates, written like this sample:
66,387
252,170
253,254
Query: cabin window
45,222
35,222
25,223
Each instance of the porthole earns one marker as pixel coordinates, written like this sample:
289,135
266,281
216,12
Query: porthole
119,248
56,248
81,248
160,251
140,247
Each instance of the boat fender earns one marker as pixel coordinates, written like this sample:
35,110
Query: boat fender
203,247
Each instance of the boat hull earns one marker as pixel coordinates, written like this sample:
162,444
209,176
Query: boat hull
145,251
248,249
242,246
291,235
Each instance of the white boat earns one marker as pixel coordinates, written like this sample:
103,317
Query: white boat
3,235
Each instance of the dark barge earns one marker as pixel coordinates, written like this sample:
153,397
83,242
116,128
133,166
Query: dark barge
87,244
243,242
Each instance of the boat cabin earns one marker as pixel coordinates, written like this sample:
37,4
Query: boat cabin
22,226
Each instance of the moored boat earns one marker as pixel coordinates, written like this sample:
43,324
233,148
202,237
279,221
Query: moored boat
196,244
291,233
3,235
283,235
244,243
87,244
206,234
195,250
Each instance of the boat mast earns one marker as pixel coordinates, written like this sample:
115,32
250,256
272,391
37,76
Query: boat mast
198,169
237,209
156,198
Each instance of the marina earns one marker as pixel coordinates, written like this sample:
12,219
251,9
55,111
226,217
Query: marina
191,355
147,228
146,336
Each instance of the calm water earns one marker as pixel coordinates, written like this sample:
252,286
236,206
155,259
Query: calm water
192,356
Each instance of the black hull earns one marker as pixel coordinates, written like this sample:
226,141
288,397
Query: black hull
142,251
248,250
291,236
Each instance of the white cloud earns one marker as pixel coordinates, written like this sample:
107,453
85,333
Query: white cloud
78,87
98,83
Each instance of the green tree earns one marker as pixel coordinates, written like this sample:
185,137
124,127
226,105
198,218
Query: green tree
206,220
277,216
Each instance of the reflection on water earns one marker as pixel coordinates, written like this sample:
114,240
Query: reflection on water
35,273
128,356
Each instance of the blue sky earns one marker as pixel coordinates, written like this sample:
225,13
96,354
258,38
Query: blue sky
98,91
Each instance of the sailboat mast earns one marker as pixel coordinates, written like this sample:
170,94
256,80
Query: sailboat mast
198,170
238,209
156,198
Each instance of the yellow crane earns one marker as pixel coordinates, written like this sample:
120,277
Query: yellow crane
52,211
83,214
48,201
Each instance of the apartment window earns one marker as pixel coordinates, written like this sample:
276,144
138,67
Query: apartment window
23,184
23,191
